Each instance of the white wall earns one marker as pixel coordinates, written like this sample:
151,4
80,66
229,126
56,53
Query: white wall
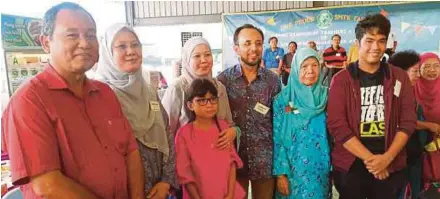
165,42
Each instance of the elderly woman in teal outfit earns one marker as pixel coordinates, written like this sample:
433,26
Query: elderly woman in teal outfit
301,148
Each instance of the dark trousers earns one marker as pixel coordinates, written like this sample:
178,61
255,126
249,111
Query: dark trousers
284,77
358,183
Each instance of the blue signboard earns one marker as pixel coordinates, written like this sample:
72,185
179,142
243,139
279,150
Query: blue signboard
415,25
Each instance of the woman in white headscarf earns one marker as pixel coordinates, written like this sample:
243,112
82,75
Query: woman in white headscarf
120,67
197,63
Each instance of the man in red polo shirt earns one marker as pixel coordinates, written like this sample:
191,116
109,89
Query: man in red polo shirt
65,134
335,56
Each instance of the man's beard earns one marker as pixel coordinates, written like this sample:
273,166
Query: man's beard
253,64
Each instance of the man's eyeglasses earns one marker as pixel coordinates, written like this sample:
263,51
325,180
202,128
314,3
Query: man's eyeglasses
204,101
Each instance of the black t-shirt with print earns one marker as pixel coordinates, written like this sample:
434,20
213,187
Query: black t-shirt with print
372,125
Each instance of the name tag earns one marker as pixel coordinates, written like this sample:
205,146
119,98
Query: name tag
154,105
397,88
338,54
261,108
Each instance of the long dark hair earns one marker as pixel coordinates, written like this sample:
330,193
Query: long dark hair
199,88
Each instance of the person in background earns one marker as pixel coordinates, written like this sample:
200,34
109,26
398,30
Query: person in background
120,66
428,89
353,53
66,135
312,45
409,61
205,171
251,90
162,82
287,62
428,99
363,109
301,148
391,45
335,56
272,56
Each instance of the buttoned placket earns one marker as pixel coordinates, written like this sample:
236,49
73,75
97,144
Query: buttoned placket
103,143
249,108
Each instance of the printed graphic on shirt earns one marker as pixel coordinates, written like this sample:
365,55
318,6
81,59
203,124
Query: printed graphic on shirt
373,115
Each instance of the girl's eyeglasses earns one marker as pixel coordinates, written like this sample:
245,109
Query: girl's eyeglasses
204,101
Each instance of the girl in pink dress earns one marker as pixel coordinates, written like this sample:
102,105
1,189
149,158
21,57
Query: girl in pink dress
204,171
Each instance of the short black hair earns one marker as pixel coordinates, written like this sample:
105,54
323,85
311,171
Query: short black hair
246,26
404,59
293,42
336,35
270,39
50,17
373,21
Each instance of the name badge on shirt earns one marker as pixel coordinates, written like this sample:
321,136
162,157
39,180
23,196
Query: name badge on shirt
338,54
154,105
261,108
397,88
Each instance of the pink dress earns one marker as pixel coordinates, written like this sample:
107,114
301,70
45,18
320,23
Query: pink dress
198,161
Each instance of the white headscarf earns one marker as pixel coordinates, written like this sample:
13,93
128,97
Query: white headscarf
188,72
134,94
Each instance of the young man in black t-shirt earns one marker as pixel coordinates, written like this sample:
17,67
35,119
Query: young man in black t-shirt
371,114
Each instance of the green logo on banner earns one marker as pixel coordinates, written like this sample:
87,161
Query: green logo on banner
324,19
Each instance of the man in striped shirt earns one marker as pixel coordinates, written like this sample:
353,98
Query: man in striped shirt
335,57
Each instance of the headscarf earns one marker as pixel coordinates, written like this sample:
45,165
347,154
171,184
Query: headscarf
189,75
428,93
134,94
310,101
188,72
176,95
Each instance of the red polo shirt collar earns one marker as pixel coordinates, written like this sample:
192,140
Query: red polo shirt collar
56,82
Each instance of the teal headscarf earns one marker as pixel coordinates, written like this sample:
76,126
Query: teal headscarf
309,101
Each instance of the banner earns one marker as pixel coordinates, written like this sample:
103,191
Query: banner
20,31
415,26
